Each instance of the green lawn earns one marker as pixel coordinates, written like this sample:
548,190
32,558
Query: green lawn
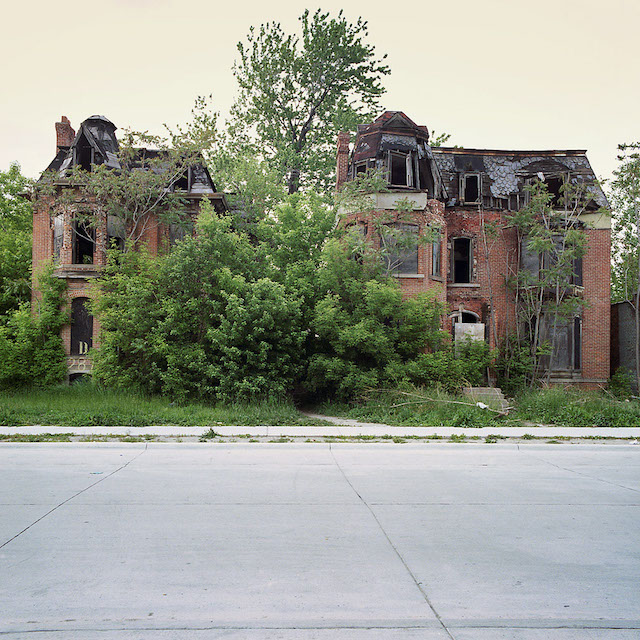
87,405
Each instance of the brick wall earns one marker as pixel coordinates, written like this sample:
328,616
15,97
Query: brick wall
596,317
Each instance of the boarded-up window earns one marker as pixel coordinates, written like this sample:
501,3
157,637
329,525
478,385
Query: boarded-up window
399,243
81,327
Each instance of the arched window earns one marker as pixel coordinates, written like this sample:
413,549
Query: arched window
81,327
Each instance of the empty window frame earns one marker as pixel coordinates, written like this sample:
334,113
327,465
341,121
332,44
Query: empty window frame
461,260
178,231
470,188
115,233
400,169
566,335
58,236
183,183
84,154
81,327
84,242
436,253
399,244
425,177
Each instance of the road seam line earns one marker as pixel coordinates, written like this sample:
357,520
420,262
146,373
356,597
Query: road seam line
75,495
393,546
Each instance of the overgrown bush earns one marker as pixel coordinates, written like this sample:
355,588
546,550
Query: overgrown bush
31,349
203,322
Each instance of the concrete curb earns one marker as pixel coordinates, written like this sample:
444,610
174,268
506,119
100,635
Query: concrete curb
353,430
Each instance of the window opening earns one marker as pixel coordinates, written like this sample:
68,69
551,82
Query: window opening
115,233
81,327
84,238
84,154
461,268
58,236
426,177
400,170
361,168
554,186
400,244
178,231
471,188
182,183
436,254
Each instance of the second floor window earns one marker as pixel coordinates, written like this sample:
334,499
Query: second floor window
399,244
461,260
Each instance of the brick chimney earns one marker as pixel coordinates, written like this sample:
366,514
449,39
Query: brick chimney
342,160
64,134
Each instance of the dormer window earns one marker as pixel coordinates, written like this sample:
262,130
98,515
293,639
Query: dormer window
400,168
470,188
84,154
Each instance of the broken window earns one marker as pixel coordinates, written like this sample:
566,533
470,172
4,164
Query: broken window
399,243
436,254
470,188
81,327
84,240
555,186
58,236
115,233
461,260
178,231
182,183
532,261
426,177
566,335
400,169
84,154
360,168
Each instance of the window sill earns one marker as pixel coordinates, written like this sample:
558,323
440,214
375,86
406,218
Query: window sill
408,275
438,278
463,285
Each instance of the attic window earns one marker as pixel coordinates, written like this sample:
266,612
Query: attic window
471,188
84,155
461,260
182,183
361,168
400,169
555,188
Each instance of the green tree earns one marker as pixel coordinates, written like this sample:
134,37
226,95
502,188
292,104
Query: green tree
31,349
625,203
15,240
297,92
552,244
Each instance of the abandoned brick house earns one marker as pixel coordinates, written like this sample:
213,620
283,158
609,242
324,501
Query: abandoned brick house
453,191
79,251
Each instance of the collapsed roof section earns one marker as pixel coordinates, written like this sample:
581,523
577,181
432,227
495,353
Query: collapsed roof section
96,144
503,175
398,147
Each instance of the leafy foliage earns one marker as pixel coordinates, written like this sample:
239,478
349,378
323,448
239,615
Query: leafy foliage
15,241
625,200
297,92
214,325
31,349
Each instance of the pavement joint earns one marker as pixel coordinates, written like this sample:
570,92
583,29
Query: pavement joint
393,546
75,495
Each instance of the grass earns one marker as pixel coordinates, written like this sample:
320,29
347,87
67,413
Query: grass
90,405
576,408
398,410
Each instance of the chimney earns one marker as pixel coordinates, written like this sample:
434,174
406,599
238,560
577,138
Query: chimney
342,161
64,134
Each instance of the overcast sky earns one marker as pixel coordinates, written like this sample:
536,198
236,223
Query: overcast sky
502,74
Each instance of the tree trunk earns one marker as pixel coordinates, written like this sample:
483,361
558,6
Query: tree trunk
294,181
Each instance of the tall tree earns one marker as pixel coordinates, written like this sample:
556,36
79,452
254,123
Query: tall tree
625,203
297,92
15,240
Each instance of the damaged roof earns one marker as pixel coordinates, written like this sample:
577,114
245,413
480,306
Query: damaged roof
504,173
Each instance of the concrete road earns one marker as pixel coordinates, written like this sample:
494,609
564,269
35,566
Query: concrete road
342,541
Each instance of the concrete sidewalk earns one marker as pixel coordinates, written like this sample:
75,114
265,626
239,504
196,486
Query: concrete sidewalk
348,428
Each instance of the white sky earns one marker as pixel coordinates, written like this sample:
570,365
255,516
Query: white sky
502,74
